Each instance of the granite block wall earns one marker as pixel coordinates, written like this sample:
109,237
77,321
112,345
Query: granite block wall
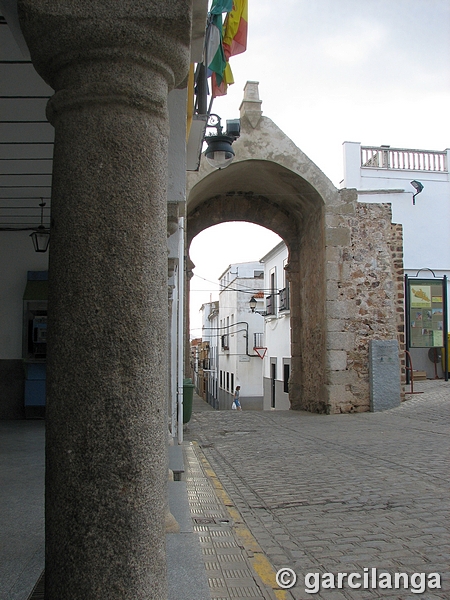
364,296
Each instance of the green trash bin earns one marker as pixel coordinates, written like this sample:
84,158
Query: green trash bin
188,396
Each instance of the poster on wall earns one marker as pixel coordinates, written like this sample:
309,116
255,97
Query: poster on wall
426,313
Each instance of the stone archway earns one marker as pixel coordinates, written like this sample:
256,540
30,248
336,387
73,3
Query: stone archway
269,194
345,257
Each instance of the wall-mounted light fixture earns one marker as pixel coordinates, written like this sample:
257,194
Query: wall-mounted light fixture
41,237
253,304
418,187
219,152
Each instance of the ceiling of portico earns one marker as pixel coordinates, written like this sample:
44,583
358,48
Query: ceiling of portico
26,137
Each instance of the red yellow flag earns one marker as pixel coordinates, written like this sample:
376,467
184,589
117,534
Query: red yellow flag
235,29
222,88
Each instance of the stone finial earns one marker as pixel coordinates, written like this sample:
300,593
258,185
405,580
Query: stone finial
251,104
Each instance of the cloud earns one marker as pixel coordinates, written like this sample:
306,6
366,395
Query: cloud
361,42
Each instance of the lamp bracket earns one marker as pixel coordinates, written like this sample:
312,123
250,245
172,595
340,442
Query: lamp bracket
214,121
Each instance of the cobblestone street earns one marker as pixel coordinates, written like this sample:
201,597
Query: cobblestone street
339,493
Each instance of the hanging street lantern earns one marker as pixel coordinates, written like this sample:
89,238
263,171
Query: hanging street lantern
219,152
41,237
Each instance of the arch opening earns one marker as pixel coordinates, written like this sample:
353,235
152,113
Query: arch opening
213,250
270,195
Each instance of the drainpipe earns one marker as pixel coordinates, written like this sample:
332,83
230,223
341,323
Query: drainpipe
180,326
174,356
245,323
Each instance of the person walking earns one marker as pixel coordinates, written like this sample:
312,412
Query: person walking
236,399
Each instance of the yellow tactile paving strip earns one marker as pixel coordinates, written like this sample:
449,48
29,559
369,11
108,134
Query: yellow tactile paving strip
235,563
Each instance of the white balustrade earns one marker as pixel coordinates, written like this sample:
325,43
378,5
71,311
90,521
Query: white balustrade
384,157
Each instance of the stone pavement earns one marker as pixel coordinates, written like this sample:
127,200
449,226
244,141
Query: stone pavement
328,494
21,507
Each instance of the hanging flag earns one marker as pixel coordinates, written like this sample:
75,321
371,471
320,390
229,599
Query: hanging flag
235,29
220,89
225,41
220,6
215,57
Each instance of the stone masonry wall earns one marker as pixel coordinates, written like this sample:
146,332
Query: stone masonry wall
396,247
306,389
364,296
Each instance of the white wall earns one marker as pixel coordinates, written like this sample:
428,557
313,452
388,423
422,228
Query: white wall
17,257
277,330
176,185
211,334
234,311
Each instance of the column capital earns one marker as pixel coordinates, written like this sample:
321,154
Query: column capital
126,52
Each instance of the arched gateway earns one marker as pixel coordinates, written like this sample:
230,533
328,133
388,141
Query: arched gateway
273,184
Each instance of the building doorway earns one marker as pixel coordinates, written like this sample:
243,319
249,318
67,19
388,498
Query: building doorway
273,382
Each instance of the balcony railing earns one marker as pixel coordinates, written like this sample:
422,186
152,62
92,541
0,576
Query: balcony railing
258,340
384,157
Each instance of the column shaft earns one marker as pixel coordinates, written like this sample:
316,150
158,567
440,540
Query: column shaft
106,466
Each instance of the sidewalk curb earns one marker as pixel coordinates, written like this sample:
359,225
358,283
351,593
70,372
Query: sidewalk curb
262,567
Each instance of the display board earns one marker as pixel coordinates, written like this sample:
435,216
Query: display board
425,309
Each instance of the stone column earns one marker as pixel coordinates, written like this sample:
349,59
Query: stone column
112,65
188,371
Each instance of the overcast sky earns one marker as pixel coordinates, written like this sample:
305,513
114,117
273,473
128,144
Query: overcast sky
369,71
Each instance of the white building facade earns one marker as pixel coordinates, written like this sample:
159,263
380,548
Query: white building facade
384,175
249,348
277,330
233,332
206,369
